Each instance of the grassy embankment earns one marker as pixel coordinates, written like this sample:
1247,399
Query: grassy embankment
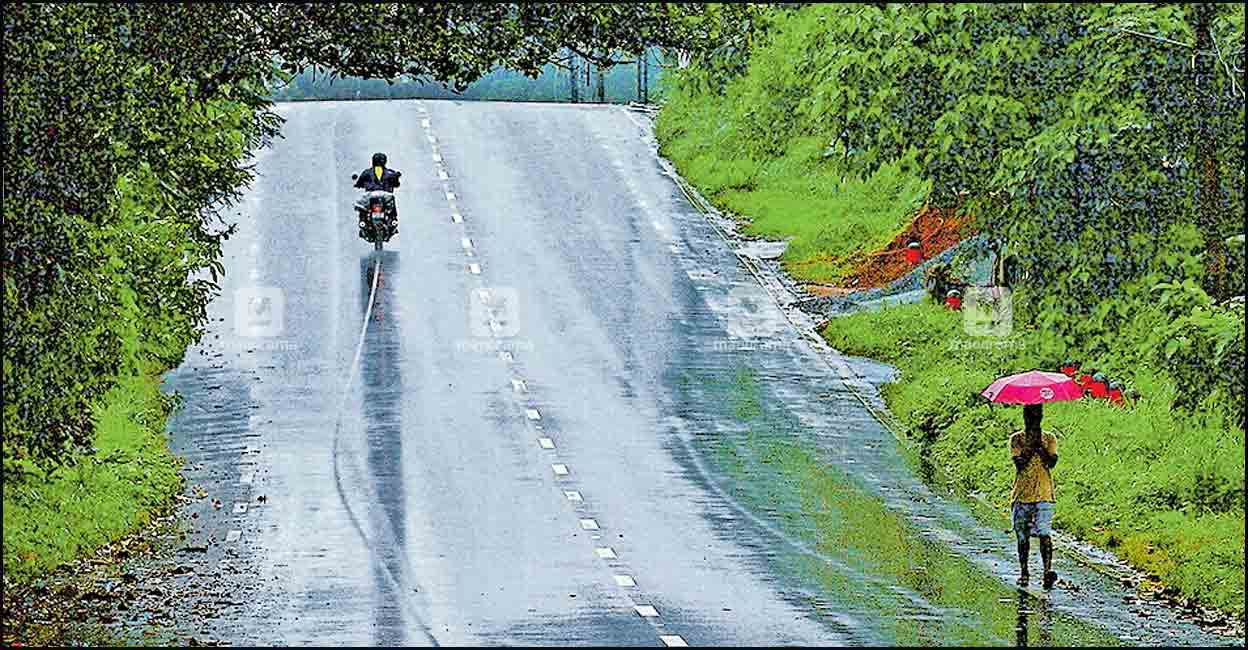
1160,486
53,518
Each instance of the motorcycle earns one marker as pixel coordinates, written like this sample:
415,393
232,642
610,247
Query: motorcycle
377,216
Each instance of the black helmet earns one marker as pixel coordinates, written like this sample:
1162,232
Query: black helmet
379,159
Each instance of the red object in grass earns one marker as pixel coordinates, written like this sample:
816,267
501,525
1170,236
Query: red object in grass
1097,389
954,303
1070,371
914,253
1084,379
1115,397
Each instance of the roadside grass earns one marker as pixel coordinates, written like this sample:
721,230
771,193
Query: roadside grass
1163,489
793,196
52,518
776,470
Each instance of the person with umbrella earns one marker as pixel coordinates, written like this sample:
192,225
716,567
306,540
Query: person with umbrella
1034,453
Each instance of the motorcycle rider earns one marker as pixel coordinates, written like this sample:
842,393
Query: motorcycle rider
379,177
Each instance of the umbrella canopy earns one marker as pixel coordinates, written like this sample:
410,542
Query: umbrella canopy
1033,387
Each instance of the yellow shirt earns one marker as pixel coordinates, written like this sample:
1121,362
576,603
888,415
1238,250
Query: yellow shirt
1033,483
377,171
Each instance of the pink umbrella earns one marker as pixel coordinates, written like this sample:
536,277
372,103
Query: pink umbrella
1033,387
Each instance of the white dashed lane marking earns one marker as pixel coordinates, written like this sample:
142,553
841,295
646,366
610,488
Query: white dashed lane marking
647,611
624,581
233,536
240,508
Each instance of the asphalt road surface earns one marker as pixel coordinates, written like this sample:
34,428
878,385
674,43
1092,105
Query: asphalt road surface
557,410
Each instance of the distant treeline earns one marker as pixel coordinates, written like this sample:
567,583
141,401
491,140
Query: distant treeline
619,84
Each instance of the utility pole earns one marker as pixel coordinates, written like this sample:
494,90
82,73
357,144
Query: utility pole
575,93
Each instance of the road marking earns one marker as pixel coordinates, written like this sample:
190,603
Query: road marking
606,552
589,524
560,469
233,536
425,122
647,611
532,414
506,355
474,268
546,443
673,641
240,508
432,139
437,158
466,243
518,385
495,326
573,495
457,217
625,581
442,175
450,196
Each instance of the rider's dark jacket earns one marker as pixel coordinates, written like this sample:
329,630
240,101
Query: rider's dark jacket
369,182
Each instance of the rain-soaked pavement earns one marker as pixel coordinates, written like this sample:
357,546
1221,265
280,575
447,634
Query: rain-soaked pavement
574,417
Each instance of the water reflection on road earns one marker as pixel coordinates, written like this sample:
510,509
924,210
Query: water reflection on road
381,385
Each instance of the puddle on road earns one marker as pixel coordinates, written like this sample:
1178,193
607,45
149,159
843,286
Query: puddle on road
872,567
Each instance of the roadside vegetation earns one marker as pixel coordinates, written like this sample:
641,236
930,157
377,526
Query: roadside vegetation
1098,150
51,516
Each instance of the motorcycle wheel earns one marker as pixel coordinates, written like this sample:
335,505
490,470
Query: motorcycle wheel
377,244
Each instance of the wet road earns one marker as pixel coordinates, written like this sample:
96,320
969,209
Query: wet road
557,410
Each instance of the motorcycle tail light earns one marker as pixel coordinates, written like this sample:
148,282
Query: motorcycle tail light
376,208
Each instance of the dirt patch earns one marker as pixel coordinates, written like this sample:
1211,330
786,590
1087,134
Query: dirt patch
935,230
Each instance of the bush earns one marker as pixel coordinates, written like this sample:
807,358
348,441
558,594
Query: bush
51,516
